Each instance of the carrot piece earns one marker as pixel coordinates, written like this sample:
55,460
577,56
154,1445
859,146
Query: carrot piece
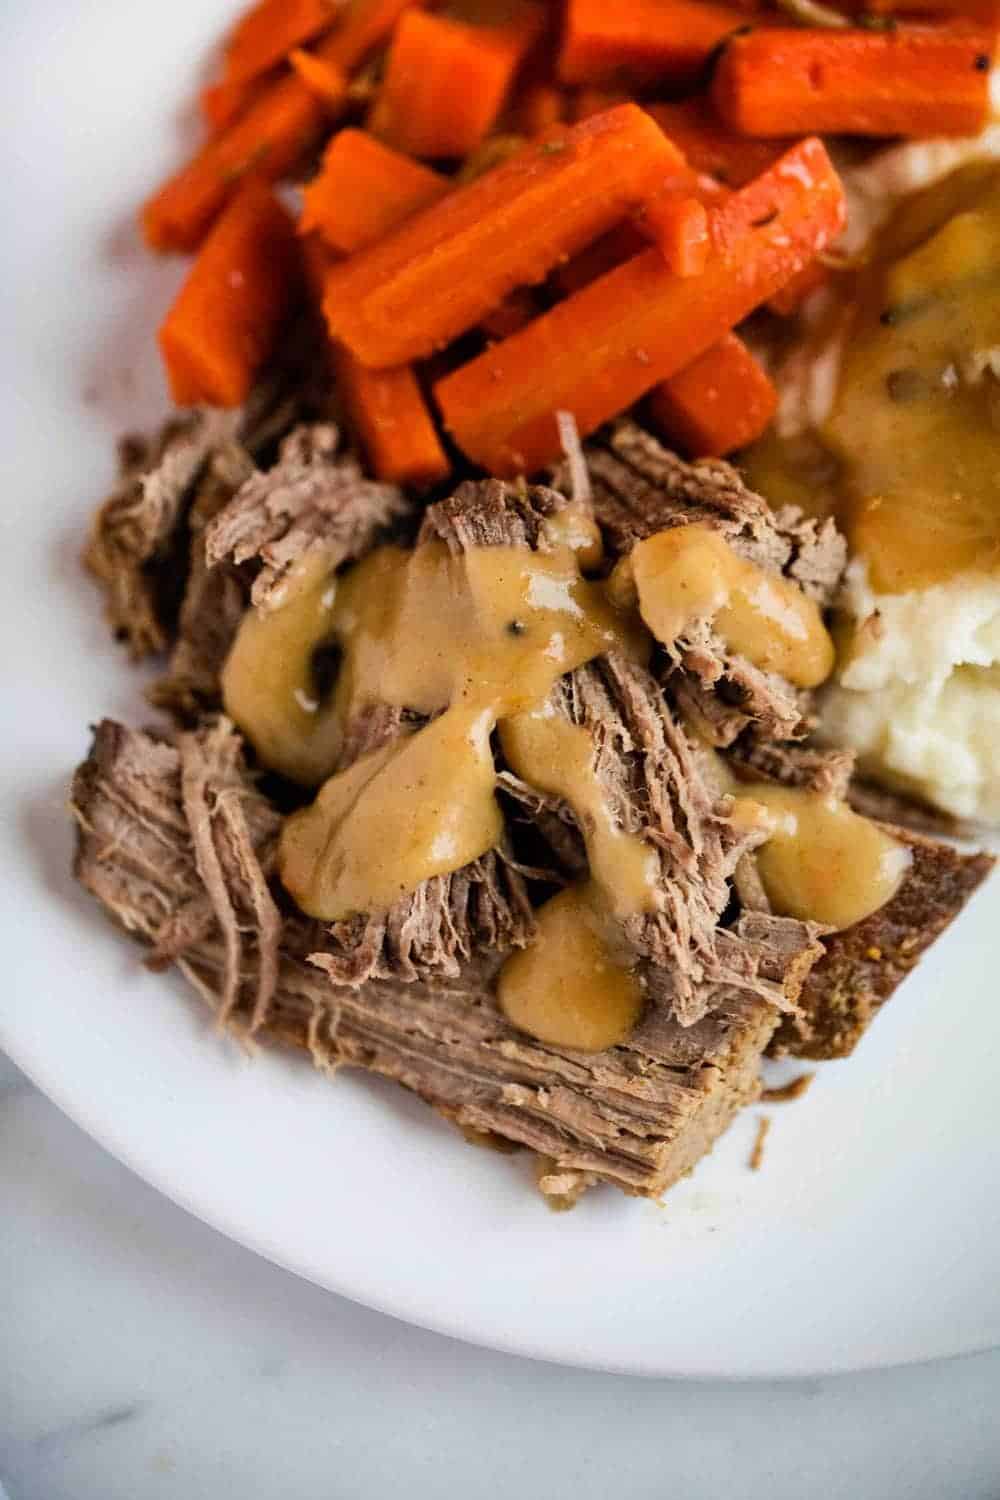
324,79
710,146
267,32
719,402
787,302
602,349
364,190
387,410
679,226
536,107
644,41
269,138
364,25
446,81
912,81
228,313
223,102
448,266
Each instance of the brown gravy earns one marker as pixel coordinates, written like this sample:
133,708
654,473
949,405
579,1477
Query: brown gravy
907,458
475,642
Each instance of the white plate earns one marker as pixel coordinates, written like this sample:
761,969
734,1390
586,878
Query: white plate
872,1235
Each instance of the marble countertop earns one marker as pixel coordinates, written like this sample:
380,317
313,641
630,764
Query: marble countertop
144,1355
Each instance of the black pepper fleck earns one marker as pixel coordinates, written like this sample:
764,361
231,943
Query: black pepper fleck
982,63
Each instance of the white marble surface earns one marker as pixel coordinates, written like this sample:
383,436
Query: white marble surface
143,1355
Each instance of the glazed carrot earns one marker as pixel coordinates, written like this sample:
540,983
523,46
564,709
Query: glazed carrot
719,402
602,349
448,266
910,81
710,146
267,32
644,41
787,302
324,79
446,81
269,138
229,311
387,411
272,135
364,190
222,103
364,25
678,225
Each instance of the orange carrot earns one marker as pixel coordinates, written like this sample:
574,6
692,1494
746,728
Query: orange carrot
267,32
912,81
602,349
446,81
644,41
451,264
387,411
710,146
537,106
222,103
787,302
364,190
679,226
228,313
364,25
719,402
986,12
271,137
324,79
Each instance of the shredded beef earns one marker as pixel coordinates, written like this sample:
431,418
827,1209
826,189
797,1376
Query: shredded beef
864,965
640,488
177,845
806,766
314,497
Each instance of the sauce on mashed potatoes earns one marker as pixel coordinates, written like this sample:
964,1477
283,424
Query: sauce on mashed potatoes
897,433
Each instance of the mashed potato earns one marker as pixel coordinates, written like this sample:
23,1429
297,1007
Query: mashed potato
918,692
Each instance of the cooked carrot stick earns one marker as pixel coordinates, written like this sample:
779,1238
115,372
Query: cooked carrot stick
644,41
223,102
364,190
267,32
679,226
710,146
787,302
910,81
228,313
273,134
269,138
324,79
719,402
446,81
448,266
364,25
387,411
986,12
605,347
